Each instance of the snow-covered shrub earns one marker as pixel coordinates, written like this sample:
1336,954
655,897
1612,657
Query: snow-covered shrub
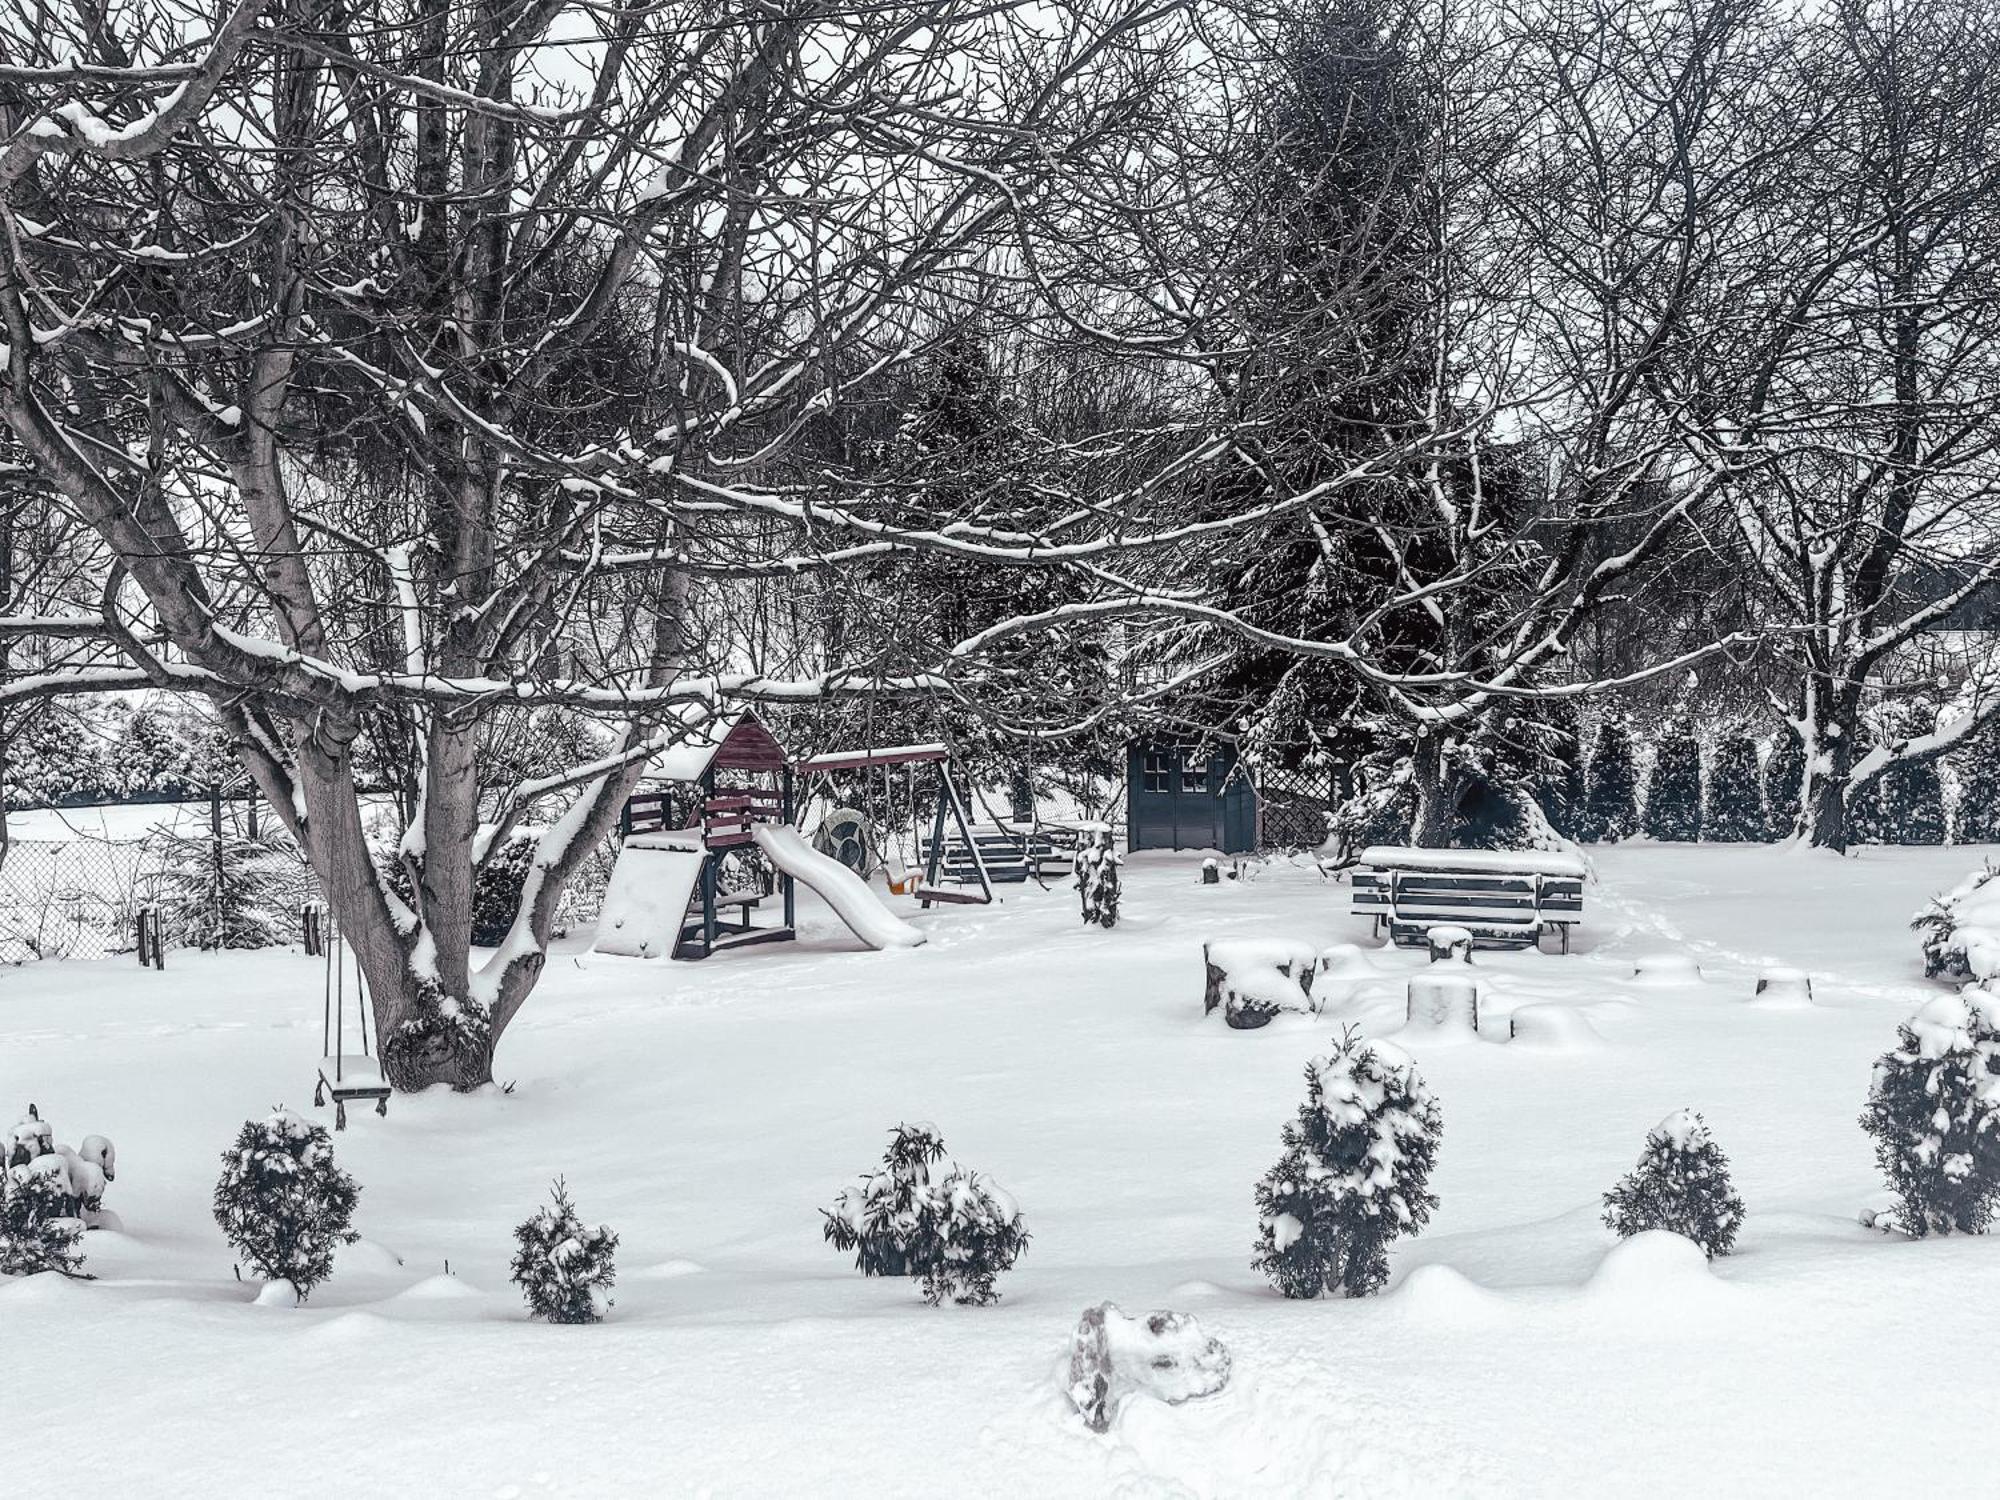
235,892
1673,791
39,1229
1960,930
1681,1184
1355,1173
496,886
1934,1113
562,1268
925,1217
80,1175
1976,768
1096,866
282,1203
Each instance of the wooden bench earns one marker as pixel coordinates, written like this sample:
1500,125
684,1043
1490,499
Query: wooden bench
1504,898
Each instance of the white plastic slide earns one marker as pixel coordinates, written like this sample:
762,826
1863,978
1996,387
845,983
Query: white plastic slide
838,886
646,900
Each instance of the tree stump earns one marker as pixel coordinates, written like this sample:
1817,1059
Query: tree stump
1445,997
1780,987
1449,942
1252,979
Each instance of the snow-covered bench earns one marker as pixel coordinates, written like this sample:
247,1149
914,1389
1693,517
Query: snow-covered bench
1505,898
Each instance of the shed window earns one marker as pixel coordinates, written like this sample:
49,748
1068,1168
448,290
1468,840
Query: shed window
1157,774
1194,776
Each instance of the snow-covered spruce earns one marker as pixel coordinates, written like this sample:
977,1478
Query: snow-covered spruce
1960,930
39,1230
1934,1114
1355,1173
925,1217
81,1174
282,1203
1096,866
234,892
1681,1184
563,1268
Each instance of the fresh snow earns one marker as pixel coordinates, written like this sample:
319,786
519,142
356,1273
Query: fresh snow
705,1112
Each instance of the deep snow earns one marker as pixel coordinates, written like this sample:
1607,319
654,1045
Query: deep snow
706,1112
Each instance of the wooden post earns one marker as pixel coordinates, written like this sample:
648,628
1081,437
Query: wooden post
785,816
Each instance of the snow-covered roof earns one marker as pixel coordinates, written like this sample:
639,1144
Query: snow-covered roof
733,741
1474,861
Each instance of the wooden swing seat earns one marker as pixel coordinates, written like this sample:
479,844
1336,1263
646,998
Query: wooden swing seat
358,1078
954,898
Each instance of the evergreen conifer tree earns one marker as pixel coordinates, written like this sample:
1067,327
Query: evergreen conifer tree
1909,804
229,893
1681,1184
281,1201
1934,1114
1734,812
1611,807
1784,778
561,1267
924,1217
1673,792
1976,818
39,1229
1354,1175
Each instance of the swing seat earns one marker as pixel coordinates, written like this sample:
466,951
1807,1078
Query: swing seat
350,1077
953,897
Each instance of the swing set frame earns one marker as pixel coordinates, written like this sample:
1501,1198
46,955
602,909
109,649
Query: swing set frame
929,891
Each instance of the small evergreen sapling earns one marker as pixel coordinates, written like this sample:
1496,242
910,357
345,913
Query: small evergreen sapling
955,1233
1355,1174
39,1230
1681,1184
282,1203
1934,1114
562,1268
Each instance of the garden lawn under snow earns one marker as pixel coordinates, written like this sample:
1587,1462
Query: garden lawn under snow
706,1112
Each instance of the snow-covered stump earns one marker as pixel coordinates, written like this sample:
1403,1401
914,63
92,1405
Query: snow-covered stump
1445,997
1784,988
1164,1355
1254,979
1449,943
1557,1027
1211,872
1666,968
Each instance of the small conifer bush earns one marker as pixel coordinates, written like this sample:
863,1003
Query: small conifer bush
561,1267
1681,1184
925,1217
1934,1114
39,1230
282,1203
1354,1176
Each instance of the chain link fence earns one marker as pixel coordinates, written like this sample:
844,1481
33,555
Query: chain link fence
74,880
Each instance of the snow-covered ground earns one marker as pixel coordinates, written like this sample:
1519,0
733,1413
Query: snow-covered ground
707,1111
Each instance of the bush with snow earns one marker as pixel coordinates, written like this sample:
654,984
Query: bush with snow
79,1175
1960,930
282,1203
1096,866
496,885
1681,1184
1354,1176
925,1217
39,1229
563,1268
1934,1114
